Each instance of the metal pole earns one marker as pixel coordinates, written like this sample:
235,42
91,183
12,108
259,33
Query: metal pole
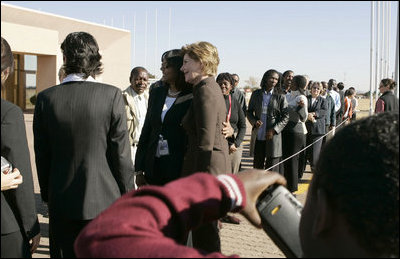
381,40
377,49
389,23
155,49
134,40
145,43
169,30
396,66
384,38
371,79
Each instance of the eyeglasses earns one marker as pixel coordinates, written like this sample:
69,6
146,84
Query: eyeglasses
316,88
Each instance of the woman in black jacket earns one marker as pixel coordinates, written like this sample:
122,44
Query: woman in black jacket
315,123
163,140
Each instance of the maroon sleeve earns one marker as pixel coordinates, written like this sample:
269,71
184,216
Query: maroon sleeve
380,106
154,221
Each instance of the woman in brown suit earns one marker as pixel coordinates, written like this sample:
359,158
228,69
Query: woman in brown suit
208,150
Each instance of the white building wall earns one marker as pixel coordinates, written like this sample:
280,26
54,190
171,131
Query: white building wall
34,32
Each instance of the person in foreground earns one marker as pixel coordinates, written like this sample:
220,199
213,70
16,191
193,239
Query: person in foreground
351,208
81,142
20,229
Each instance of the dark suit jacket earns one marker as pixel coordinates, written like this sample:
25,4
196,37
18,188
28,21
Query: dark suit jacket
277,118
82,149
319,107
208,149
330,116
170,167
18,210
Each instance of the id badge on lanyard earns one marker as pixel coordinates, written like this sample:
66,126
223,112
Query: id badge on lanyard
162,148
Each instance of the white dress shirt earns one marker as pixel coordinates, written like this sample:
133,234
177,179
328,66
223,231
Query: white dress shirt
336,98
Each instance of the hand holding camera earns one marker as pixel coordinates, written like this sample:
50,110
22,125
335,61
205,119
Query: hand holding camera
255,182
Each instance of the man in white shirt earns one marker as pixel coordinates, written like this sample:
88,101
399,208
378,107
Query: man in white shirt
136,98
335,95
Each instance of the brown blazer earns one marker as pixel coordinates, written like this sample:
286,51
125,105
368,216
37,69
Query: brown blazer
207,148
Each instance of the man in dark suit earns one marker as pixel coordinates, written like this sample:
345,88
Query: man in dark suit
339,114
239,95
19,221
268,114
81,144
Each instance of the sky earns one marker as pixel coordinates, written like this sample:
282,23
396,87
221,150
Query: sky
320,39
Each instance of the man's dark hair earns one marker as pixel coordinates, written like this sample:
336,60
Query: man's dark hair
135,71
7,59
349,92
359,170
287,72
340,85
82,55
330,83
225,76
267,75
236,75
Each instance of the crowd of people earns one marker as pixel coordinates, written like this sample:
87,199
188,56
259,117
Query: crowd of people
174,155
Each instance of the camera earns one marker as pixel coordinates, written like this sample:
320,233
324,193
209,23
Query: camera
280,214
6,166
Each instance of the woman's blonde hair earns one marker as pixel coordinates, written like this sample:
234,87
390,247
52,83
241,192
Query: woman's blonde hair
206,53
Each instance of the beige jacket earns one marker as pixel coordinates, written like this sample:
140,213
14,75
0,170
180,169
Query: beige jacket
134,114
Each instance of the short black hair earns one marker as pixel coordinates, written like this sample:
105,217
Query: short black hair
359,170
287,72
226,76
349,92
82,54
330,83
136,70
234,74
340,85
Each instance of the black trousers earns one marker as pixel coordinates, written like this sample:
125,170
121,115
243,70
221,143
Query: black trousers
314,150
261,161
292,143
62,235
15,245
206,237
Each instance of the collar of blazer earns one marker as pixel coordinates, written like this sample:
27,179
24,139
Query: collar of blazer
129,95
314,105
183,98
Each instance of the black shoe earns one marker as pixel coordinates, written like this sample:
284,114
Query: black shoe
230,219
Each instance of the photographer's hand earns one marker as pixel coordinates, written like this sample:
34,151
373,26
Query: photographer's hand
255,182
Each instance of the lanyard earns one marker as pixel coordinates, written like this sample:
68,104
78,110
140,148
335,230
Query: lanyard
230,109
